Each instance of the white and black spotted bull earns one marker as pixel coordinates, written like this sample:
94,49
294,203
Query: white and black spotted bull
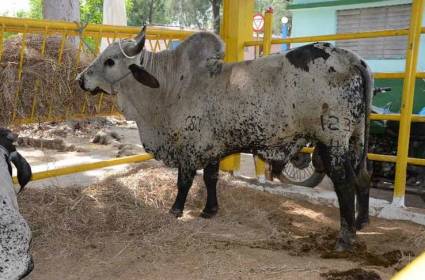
192,109
15,235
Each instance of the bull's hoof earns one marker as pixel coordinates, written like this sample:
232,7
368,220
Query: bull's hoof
361,223
343,245
176,212
208,213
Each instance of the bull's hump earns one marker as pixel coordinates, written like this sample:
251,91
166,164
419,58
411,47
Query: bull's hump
301,57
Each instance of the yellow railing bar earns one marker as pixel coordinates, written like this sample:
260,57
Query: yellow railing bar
87,166
34,25
335,37
396,75
394,117
407,101
384,117
378,157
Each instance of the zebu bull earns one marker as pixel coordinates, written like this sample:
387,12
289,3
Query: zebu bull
15,235
192,109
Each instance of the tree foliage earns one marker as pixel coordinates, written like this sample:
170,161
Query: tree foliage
35,11
91,11
192,13
147,11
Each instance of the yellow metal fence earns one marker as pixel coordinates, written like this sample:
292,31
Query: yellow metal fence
409,77
28,47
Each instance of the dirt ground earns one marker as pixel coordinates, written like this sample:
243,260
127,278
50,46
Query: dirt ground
120,228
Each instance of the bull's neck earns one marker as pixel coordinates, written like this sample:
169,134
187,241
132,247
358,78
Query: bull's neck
146,104
162,66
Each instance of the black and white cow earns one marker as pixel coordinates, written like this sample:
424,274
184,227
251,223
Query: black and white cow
15,235
192,109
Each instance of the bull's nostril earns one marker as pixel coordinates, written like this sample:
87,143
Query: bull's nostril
81,82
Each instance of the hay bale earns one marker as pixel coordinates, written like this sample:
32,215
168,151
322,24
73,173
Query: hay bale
44,79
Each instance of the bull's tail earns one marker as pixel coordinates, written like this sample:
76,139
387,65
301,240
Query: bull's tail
368,86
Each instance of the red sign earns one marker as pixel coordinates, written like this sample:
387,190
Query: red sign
258,22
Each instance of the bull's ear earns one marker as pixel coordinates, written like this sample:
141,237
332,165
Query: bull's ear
23,167
143,76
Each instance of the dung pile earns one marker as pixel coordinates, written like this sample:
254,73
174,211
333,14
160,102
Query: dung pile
46,79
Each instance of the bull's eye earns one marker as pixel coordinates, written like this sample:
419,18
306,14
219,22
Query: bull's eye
109,62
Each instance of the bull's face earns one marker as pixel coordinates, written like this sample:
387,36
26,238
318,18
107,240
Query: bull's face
116,62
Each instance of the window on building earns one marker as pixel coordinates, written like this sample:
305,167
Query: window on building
372,19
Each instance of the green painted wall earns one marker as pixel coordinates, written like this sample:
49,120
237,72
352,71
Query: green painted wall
394,97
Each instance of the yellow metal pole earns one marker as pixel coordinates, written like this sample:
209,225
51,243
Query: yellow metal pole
267,39
1,40
413,271
407,101
236,29
87,166
20,71
38,81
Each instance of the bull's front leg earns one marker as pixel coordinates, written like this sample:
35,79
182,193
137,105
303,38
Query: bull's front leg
184,182
210,179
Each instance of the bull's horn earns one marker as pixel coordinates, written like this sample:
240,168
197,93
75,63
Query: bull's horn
140,43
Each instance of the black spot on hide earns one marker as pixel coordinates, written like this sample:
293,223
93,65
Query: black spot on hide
302,56
331,69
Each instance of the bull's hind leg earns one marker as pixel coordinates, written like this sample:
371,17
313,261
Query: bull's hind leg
210,179
337,164
358,150
184,182
362,191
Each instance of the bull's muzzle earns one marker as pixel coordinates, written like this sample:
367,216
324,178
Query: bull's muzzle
81,82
